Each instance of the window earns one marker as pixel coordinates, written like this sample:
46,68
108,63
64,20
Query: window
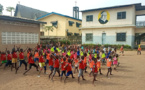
121,37
54,23
78,24
70,23
89,18
19,38
89,37
121,15
41,33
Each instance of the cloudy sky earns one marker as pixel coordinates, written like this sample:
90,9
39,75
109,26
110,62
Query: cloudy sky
65,6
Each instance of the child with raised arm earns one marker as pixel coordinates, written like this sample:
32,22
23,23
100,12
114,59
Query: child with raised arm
69,69
31,63
22,60
41,63
63,68
109,62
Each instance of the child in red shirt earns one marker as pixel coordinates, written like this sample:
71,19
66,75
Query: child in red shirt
69,69
56,67
63,68
95,70
76,60
109,63
51,65
3,58
81,69
22,60
9,59
41,63
31,63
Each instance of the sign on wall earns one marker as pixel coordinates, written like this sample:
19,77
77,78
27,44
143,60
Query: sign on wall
103,17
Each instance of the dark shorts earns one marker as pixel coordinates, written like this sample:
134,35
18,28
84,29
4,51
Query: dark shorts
63,73
30,65
9,62
51,68
55,70
68,73
22,62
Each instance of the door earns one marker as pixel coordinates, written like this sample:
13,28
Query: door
103,38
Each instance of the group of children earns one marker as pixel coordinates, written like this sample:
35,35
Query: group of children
61,60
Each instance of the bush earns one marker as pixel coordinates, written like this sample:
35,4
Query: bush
107,45
65,42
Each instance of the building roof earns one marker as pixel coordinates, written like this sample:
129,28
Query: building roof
57,14
28,12
137,6
2,17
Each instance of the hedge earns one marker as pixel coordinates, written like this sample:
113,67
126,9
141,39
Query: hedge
106,45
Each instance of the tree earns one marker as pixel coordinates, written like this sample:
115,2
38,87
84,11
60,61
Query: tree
48,28
10,9
1,9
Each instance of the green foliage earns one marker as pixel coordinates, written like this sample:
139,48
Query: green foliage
10,9
1,9
65,42
47,28
107,45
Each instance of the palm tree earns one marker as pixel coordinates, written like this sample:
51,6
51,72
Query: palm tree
1,9
10,9
49,28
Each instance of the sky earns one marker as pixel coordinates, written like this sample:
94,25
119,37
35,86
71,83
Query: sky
66,6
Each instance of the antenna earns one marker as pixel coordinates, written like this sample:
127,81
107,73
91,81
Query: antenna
18,2
75,3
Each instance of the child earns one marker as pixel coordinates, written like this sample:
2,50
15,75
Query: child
51,65
139,50
36,55
76,63
109,62
22,60
63,68
9,59
99,64
121,50
103,58
3,58
69,69
95,70
31,63
115,62
41,63
56,67
85,62
47,57
81,68
91,66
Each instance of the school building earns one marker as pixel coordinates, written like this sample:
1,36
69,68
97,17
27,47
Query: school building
19,31
113,25
63,25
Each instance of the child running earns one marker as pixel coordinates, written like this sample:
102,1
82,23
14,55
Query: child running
31,63
69,69
109,62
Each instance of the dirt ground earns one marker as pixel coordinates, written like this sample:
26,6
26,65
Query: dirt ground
130,76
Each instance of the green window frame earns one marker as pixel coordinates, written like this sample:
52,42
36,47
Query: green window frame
120,36
89,36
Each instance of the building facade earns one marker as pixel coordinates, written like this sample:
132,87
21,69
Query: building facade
19,32
111,25
62,25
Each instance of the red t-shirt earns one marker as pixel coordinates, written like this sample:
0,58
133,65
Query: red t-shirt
51,62
72,56
3,57
14,55
96,68
9,57
69,67
81,65
63,66
56,63
30,60
21,56
41,59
